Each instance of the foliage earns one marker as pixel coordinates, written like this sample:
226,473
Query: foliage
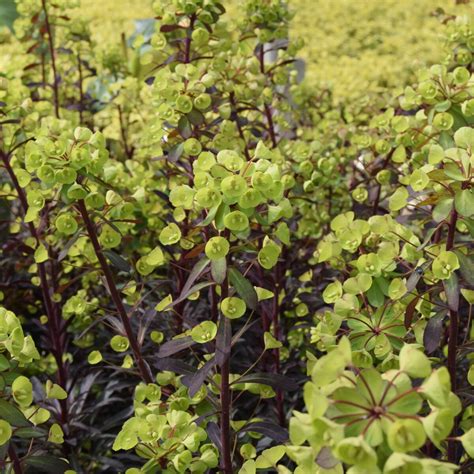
221,267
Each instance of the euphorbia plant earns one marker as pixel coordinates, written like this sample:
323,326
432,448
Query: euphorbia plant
188,225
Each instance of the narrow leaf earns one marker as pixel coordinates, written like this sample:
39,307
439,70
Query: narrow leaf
175,345
433,332
415,277
451,288
12,414
219,270
196,272
175,365
277,381
269,429
117,261
410,311
466,267
188,292
29,432
47,464
223,340
194,382
214,433
243,287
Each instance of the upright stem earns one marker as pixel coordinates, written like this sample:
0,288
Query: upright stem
225,399
239,126
53,59
452,334
375,206
123,132
276,306
268,110
81,90
276,352
17,469
143,367
188,40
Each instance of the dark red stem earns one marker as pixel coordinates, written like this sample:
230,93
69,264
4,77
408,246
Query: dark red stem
452,334
143,367
225,400
53,58
15,460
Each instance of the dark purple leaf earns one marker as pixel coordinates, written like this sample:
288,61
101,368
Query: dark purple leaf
169,28
410,311
214,433
175,345
190,291
451,288
277,381
196,272
267,428
223,340
175,153
414,278
175,365
433,332
46,464
117,261
194,382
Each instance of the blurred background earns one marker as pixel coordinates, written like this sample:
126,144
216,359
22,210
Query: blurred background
351,46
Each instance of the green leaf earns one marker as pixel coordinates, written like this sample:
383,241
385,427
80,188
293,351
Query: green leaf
270,342
30,432
464,202
467,440
204,332
398,199
375,295
7,13
414,362
12,414
270,457
5,432
438,424
219,270
400,462
464,137
358,284
406,435
41,254
243,287
356,451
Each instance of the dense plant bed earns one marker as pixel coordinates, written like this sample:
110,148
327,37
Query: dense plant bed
209,266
